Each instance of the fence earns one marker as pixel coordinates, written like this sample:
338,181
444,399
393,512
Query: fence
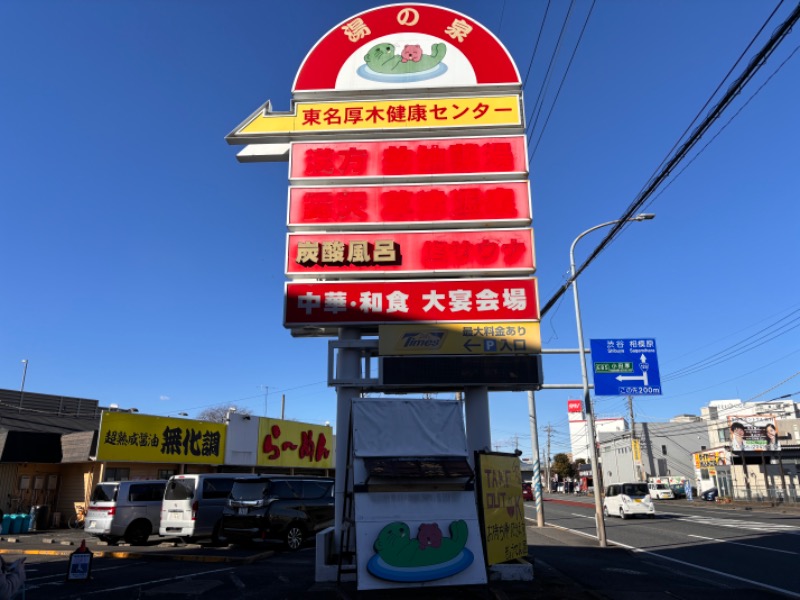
760,493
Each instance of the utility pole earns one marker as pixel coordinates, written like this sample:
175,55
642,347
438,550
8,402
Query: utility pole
633,437
549,430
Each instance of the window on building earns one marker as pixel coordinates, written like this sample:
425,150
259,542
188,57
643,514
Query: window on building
117,474
702,447
662,467
723,435
165,473
663,450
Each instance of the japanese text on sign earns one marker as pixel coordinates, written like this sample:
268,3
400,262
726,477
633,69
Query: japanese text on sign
293,444
358,29
145,438
487,111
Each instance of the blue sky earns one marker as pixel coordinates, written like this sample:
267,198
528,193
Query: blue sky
143,266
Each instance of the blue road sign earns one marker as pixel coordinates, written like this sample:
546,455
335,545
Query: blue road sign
625,367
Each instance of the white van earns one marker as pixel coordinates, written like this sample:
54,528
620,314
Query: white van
628,499
193,503
125,509
660,491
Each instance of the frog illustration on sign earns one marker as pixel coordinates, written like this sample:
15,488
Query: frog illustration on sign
383,58
397,548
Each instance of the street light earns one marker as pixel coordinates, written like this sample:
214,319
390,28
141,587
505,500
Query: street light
597,474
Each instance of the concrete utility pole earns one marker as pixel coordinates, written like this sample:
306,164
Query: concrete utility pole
636,475
536,482
549,430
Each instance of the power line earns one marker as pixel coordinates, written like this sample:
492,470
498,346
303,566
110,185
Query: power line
560,85
752,68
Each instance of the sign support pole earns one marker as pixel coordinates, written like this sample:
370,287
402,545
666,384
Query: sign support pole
476,408
537,470
348,369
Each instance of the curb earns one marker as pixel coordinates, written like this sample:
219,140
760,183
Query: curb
151,555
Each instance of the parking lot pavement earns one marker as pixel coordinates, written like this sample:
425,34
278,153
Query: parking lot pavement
548,582
65,541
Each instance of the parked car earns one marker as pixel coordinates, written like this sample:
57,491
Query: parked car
276,507
660,491
125,509
678,490
628,499
710,495
193,504
527,491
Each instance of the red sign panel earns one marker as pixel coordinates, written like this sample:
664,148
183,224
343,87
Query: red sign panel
361,254
574,406
408,158
380,206
412,301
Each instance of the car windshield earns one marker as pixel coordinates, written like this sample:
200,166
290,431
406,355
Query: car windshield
180,489
635,489
249,490
105,492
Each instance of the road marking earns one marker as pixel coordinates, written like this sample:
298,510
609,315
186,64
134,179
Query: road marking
687,564
702,537
582,516
154,581
736,524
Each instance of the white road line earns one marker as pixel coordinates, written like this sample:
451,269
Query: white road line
739,524
687,564
583,516
154,581
60,576
702,537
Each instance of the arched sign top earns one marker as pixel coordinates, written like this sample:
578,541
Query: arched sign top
406,46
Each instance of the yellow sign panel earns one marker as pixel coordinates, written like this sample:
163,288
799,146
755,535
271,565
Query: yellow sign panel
460,338
293,444
144,438
503,508
366,115
636,448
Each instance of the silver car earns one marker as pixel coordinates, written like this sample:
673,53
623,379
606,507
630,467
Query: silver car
125,509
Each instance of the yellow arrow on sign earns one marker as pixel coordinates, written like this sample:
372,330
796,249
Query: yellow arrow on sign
311,118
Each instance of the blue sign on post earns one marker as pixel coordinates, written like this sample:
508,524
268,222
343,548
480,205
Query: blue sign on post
625,367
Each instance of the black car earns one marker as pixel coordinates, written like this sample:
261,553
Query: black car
275,507
710,495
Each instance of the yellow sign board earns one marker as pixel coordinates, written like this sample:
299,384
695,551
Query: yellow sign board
460,338
379,115
636,448
293,444
143,438
503,508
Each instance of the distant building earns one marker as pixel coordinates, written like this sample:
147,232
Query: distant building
579,433
654,450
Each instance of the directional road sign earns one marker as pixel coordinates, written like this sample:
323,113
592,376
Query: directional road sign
626,367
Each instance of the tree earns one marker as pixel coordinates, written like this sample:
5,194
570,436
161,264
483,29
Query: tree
562,467
217,414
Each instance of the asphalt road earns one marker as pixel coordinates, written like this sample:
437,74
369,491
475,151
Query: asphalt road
735,549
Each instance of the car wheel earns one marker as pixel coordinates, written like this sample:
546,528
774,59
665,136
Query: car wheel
622,514
294,537
138,532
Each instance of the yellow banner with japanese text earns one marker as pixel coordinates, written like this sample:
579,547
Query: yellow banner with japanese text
365,115
503,509
144,438
294,444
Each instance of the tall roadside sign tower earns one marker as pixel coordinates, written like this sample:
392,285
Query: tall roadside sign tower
408,210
